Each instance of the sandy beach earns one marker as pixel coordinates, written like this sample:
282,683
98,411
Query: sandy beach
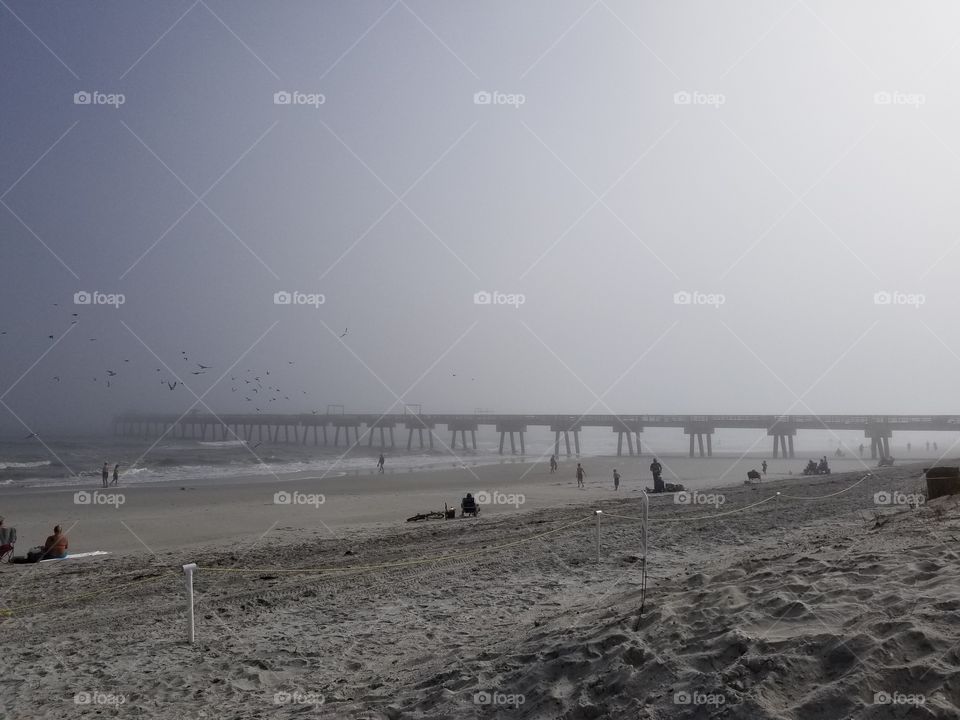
815,603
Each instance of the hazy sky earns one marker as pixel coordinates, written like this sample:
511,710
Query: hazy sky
781,162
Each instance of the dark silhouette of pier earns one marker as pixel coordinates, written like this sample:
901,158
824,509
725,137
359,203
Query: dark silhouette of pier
328,428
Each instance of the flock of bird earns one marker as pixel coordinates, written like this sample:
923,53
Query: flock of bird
256,386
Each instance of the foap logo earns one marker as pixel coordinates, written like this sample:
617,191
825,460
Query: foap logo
898,698
282,297
494,697
693,497
298,498
895,97
496,297
682,697
895,297
298,698
686,297
95,97
82,497
99,698
83,297
685,97
295,97
498,498
886,497
495,97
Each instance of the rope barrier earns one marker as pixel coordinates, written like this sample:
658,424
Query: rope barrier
7,612
822,497
699,517
116,588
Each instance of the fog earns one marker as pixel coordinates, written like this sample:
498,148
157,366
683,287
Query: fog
677,208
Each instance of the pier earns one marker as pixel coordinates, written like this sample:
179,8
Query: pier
378,429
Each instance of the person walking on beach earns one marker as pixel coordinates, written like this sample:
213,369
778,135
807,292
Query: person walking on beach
116,474
105,473
657,469
553,464
764,466
380,463
580,475
616,479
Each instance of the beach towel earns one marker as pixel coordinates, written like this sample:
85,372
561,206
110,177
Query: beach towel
74,556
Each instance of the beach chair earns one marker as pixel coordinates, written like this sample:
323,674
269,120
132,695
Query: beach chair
8,538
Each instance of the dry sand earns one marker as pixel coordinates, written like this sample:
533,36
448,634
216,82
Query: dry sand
816,608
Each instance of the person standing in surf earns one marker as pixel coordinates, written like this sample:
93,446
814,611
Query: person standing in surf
105,473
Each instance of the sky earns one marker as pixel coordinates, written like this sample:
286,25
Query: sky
564,206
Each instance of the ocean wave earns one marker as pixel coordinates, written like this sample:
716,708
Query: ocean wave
5,465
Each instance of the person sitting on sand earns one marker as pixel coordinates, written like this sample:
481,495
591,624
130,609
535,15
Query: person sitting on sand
468,506
55,547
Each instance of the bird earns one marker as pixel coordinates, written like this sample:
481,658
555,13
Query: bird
203,367
50,336
345,331
111,373
173,385
57,378
32,435
198,372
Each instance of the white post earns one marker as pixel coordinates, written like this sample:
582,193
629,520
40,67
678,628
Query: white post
646,522
598,514
188,572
